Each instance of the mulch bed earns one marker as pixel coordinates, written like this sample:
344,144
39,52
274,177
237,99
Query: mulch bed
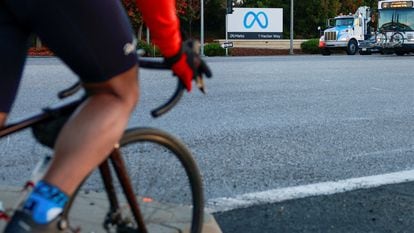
261,52
43,51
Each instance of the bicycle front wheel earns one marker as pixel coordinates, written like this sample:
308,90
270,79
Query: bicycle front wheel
165,178
156,172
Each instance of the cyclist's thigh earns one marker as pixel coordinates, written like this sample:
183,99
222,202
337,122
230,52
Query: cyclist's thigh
93,37
13,46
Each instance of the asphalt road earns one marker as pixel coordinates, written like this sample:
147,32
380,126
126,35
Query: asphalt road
384,209
266,122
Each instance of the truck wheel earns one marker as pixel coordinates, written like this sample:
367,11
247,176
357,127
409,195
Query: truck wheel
352,47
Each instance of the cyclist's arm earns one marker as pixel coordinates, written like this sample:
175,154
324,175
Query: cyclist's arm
161,18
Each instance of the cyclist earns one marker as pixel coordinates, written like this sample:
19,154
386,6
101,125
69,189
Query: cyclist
94,38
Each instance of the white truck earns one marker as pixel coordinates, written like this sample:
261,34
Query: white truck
345,32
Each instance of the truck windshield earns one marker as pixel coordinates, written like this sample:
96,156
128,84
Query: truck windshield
396,20
344,22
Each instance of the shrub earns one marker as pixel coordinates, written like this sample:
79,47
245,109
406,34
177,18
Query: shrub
149,49
310,46
214,49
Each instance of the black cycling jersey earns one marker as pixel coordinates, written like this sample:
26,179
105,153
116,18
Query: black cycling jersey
93,37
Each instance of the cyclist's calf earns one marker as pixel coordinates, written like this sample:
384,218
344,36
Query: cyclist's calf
93,130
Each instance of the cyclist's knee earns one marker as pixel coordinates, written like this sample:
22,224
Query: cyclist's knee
123,87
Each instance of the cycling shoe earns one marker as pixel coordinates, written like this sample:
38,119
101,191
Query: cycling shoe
22,222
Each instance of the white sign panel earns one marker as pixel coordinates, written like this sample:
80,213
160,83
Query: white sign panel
255,23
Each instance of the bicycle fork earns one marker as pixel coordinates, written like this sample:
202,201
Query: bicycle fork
121,172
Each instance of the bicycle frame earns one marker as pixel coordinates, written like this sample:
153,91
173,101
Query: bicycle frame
115,157
45,116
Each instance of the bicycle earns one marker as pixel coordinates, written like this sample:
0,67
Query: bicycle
46,126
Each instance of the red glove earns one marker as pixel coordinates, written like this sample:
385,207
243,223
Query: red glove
188,65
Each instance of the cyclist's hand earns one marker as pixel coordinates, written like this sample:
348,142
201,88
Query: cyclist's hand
188,65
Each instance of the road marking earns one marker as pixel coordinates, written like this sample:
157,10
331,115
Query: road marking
387,152
317,189
377,89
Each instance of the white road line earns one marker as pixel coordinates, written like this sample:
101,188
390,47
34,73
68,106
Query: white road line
324,188
377,89
382,152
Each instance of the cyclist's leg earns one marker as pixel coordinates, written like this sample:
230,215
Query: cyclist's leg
84,142
13,46
89,136
93,38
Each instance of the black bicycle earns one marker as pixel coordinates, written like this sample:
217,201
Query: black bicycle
156,172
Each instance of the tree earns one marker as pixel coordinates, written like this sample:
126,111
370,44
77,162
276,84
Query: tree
135,16
308,16
187,12
215,12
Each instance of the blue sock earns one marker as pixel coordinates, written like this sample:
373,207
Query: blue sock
45,203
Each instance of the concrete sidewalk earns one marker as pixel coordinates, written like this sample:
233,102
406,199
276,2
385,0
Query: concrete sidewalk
90,209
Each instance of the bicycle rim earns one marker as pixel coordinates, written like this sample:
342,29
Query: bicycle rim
166,182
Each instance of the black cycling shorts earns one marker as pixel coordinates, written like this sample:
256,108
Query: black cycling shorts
93,37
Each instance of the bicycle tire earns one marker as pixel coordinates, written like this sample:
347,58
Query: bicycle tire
168,143
398,38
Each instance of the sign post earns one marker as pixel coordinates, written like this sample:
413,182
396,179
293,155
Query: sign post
202,27
291,27
227,37
229,10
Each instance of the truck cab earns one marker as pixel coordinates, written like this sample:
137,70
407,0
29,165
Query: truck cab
345,32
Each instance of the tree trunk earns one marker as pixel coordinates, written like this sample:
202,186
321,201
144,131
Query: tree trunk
38,43
139,32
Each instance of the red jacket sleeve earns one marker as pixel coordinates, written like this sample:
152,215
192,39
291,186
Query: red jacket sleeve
161,18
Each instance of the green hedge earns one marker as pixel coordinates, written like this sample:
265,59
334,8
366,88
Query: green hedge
214,49
310,46
211,50
149,49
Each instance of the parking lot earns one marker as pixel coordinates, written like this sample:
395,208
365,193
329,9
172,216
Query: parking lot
271,123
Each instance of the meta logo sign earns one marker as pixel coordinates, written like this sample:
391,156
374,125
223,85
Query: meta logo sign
255,23
251,18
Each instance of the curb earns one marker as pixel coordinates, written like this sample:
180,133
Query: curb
90,209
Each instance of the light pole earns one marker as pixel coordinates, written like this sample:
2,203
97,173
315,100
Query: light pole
229,10
291,26
202,27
